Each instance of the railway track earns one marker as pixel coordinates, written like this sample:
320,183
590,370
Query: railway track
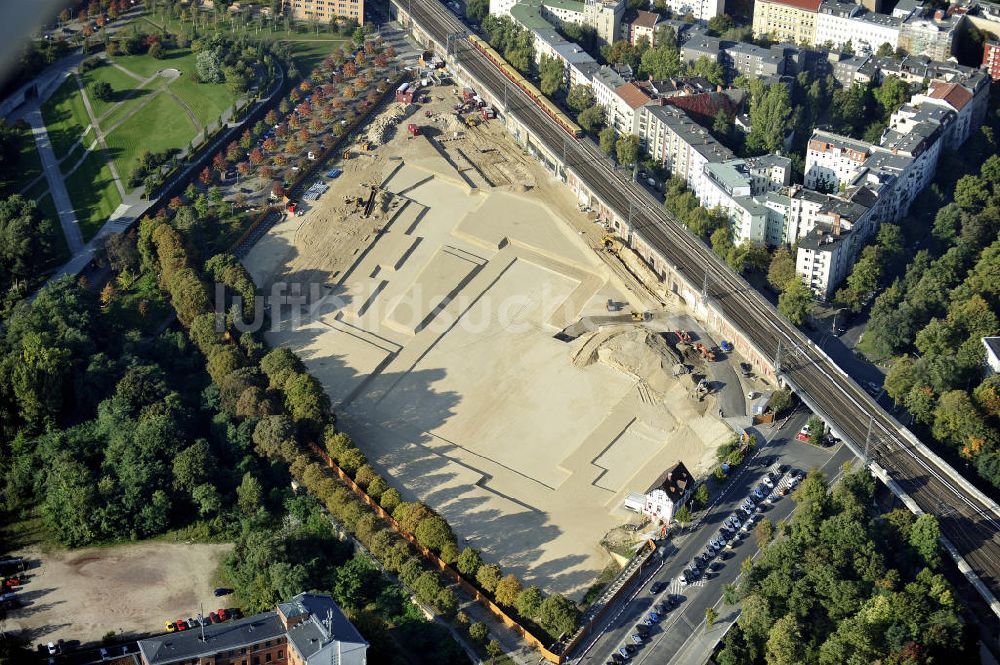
968,520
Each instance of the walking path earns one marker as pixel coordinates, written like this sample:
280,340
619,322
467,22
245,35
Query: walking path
100,136
60,197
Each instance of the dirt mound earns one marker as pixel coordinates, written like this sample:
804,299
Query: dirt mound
636,351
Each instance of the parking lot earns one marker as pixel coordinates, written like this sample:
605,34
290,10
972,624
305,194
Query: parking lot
677,593
82,595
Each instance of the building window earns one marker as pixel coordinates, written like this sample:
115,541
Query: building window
267,658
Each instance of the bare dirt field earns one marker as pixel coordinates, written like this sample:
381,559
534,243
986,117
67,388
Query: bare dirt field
130,589
435,325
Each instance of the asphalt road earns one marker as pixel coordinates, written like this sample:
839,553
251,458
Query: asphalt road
672,638
969,521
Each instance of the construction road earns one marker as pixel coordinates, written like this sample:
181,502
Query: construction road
968,519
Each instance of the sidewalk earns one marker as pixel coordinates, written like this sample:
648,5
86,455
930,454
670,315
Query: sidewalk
64,206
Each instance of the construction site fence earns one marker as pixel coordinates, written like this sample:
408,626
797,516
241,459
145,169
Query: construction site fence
270,215
443,567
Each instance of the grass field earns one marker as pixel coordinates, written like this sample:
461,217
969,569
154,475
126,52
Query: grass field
28,166
160,125
145,65
93,193
65,116
120,82
308,54
207,100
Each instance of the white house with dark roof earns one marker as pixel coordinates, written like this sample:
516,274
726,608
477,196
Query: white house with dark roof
668,493
992,345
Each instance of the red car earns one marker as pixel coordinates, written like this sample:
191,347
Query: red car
213,617
222,614
803,434
180,624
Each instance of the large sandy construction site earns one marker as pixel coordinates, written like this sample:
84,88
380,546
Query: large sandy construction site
436,326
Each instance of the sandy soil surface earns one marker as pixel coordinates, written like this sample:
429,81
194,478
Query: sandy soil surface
435,326
130,589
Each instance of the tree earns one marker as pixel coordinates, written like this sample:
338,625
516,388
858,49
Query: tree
591,118
478,632
890,95
156,51
488,576
700,497
785,645
885,50
782,269
795,303
493,648
763,532
469,562
477,10
249,494
207,66
26,239
607,139
508,590
192,466
770,110
207,499
708,69
580,97
529,601
627,149
102,90
557,615
664,60
390,499
683,516
710,617
550,74
434,533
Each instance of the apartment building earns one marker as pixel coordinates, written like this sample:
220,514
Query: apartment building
991,59
701,10
930,33
968,97
680,144
832,159
325,11
642,24
626,103
605,16
309,629
786,20
579,66
841,23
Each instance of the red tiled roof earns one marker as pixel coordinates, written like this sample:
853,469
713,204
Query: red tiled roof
704,107
633,95
645,19
808,5
956,96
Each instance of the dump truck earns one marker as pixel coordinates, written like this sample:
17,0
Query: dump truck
683,336
642,316
468,95
488,113
413,130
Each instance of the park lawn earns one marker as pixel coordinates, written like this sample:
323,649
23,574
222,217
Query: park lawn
309,54
145,66
93,193
158,126
121,83
65,116
206,100
28,166
60,250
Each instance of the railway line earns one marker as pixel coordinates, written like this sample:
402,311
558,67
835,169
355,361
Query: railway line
968,520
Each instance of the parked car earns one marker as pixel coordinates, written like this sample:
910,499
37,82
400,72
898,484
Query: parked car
657,587
222,592
222,614
654,616
51,648
637,638
803,434
169,625
624,652
618,658
767,481
180,625
213,617
193,623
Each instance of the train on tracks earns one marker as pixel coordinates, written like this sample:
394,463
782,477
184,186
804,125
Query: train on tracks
543,102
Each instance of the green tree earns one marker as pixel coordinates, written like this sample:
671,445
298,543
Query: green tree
708,69
249,495
663,61
796,302
785,645
580,97
493,648
558,616
469,562
890,95
488,576
478,632
591,118
550,74
782,269
529,602
26,240
193,466
700,497
627,149
607,140
683,516
434,533
711,616
770,110
207,499
477,10
102,91
390,499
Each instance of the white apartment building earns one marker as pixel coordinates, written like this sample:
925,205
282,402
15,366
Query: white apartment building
701,10
968,99
679,143
605,16
668,494
604,82
838,23
832,160
626,104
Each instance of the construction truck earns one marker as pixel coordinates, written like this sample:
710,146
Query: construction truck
705,352
642,316
472,121
683,336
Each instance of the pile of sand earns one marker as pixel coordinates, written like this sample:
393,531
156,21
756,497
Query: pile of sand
632,350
